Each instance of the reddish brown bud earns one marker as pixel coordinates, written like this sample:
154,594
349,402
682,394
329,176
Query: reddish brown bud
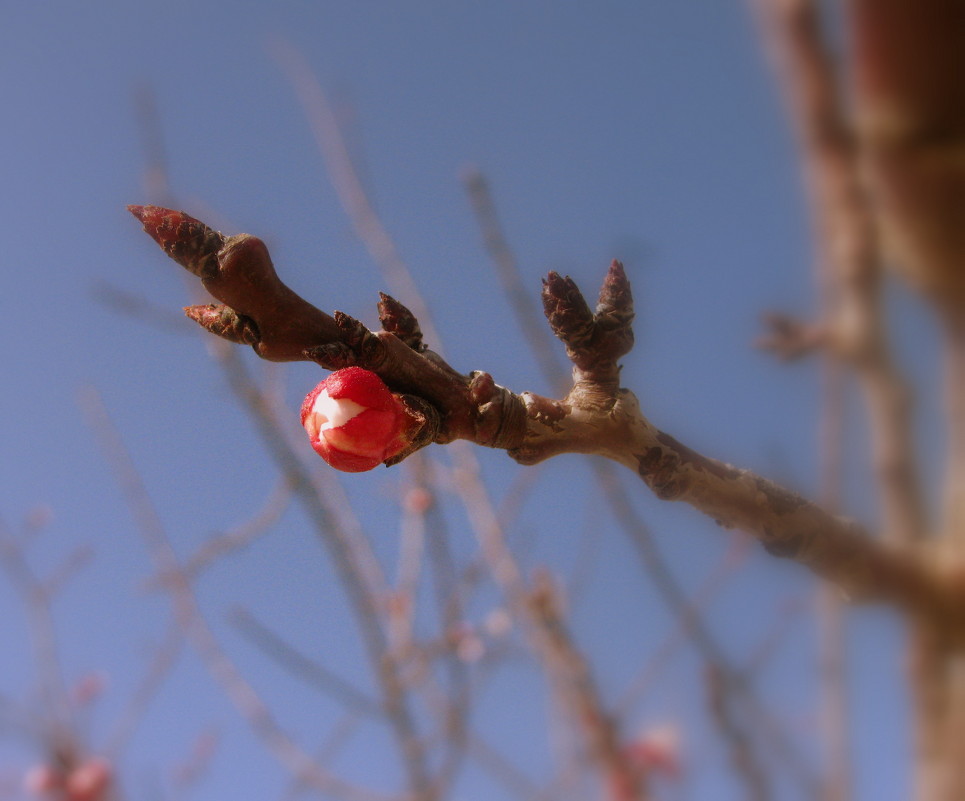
188,241
225,322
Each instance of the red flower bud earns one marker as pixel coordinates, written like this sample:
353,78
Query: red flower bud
353,421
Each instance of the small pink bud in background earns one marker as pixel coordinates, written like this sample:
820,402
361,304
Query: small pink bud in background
90,781
40,780
88,688
658,750
353,421
417,500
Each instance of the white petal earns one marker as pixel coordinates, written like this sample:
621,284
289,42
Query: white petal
333,412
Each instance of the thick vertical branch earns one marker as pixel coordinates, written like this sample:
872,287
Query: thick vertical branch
848,249
910,98
910,101
953,523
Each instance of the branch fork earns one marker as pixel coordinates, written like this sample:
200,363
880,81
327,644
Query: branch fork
596,416
259,310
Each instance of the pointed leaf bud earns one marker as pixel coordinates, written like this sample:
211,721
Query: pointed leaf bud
354,422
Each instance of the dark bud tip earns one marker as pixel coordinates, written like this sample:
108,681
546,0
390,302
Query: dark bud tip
565,308
398,320
188,241
615,295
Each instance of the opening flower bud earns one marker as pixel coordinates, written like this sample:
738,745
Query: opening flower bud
353,421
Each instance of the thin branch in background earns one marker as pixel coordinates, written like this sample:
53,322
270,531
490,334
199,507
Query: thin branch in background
189,617
566,668
740,747
501,769
163,661
412,545
344,176
729,683
528,315
785,614
341,734
832,645
137,307
242,535
54,718
155,178
75,561
422,500
588,554
579,697
834,698
192,768
719,576
298,664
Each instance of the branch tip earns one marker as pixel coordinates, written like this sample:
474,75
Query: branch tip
188,241
398,320
616,297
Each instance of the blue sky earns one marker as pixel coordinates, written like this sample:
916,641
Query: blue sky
648,131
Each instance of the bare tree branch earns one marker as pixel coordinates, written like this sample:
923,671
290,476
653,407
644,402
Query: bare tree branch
853,328
595,417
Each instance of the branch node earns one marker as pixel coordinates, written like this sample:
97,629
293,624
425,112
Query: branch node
790,338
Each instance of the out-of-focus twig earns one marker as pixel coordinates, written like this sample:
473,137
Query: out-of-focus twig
625,780
355,200
740,748
723,572
849,252
140,308
164,659
301,665
527,313
36,596
509,776
953,523
244,534
832,645
421,501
